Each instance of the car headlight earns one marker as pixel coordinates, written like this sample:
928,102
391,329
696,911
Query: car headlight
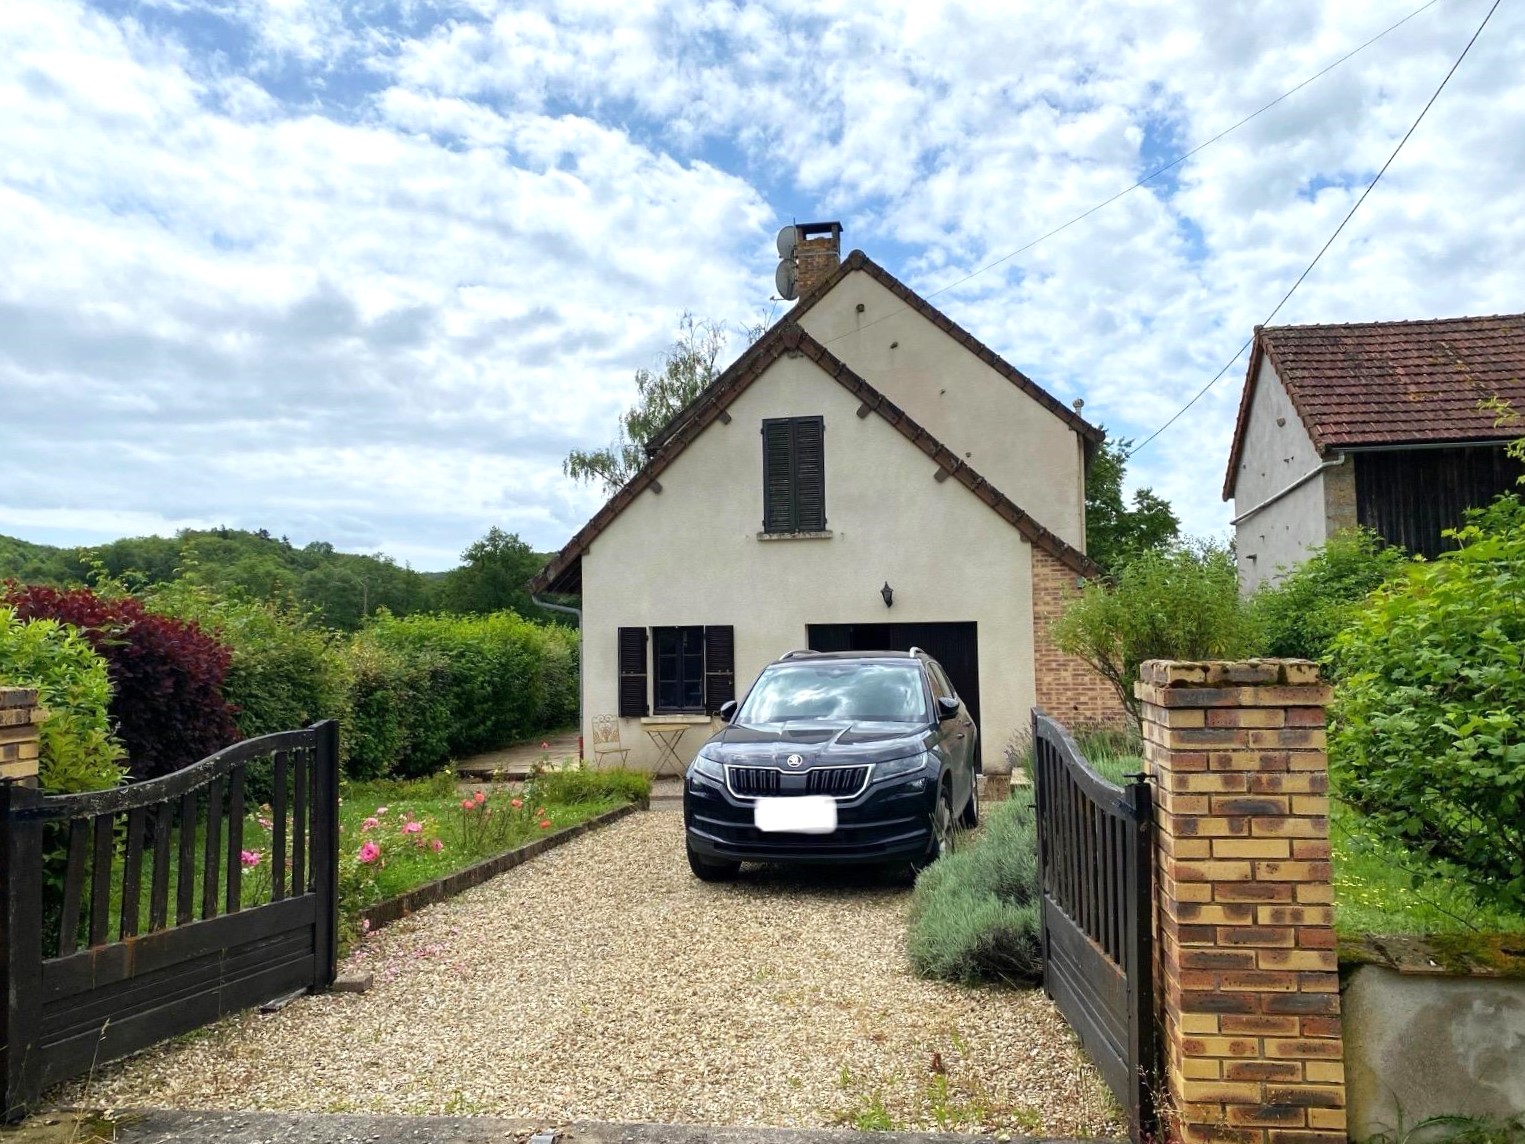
898,767
707,767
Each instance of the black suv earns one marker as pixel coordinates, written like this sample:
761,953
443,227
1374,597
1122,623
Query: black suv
834,757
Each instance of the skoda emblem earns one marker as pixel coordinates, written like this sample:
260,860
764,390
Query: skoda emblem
795,761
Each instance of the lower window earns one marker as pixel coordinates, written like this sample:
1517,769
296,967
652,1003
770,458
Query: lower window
679,660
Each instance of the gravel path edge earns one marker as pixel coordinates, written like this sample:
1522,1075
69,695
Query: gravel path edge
394,909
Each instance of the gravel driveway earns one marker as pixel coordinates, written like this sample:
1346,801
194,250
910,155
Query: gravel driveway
602,981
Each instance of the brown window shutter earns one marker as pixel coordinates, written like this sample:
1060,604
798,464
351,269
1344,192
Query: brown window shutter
632,665
778,476
809,474
719,666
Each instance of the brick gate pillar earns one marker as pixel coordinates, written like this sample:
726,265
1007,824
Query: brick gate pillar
1246,981
19,747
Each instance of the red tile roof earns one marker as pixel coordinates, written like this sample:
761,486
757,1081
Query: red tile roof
1392,383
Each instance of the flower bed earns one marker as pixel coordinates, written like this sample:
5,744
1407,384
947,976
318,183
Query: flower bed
396,837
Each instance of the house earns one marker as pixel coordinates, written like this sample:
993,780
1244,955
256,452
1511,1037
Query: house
1388,425
867,475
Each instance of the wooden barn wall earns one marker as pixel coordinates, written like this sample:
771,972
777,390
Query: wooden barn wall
1410,496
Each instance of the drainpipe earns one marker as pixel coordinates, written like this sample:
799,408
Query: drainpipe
550,607
1297,484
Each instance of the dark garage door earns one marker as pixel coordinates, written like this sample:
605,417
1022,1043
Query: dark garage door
954,645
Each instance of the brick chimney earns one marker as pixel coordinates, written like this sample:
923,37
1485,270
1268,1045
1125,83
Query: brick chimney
817,254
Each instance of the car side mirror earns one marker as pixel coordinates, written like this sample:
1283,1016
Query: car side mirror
947,707
727,710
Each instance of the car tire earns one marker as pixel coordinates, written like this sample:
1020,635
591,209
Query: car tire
709,870
943,826
970,818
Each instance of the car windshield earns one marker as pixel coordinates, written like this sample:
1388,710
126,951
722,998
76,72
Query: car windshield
846,692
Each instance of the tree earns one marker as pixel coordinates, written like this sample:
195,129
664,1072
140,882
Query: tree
1309,606
1182,603
687,367
492,576
1116,533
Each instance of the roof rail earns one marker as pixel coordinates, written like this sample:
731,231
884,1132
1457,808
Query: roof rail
795,652
915,651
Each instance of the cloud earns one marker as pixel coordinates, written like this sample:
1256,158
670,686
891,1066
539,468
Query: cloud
368,270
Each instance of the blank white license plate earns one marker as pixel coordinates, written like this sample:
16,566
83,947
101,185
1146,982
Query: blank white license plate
806,814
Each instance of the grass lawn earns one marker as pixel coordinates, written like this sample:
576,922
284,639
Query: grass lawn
1382,888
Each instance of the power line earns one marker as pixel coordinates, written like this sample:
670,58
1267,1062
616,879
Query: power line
1152,175
1348,216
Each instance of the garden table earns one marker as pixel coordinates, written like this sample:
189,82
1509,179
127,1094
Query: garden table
666,734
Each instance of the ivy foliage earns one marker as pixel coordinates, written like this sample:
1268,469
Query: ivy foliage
1428,737
78,750
1302,612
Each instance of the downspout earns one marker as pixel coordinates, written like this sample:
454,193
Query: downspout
550,607
1297,484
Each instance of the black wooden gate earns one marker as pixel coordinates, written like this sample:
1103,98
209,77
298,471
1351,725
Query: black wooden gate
1094,842
123,916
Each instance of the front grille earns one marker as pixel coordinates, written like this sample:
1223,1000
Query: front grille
750,782
838,781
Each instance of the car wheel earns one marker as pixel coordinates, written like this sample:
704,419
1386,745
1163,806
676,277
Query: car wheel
708,870
971,816
942,830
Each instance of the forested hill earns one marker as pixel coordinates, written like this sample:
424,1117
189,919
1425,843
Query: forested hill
342,587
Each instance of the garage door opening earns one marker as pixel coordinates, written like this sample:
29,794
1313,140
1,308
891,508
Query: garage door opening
954,645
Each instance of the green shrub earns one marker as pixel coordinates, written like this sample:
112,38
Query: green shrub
582,785
1180,604
497,688
285,672
975,912
1427,734
78,750
1305,610
399,710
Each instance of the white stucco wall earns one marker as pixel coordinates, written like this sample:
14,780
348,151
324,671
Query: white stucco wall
1022,448
1277,451
690,555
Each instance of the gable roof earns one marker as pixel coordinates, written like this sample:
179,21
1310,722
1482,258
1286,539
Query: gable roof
562,573
857,260
1368,384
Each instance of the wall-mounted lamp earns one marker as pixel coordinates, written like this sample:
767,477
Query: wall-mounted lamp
889,595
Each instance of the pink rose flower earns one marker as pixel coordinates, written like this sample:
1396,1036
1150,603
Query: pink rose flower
479,798
436,846
467,804
516,803
545,824
369,853
370,824
250,858
412,827
381,810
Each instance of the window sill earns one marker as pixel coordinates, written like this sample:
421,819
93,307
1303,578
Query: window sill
695,717
827,535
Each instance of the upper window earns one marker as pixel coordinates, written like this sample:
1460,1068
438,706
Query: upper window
794,474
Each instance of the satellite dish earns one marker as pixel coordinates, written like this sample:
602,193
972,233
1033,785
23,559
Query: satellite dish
788,239
786,278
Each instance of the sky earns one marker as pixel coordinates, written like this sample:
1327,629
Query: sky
365,271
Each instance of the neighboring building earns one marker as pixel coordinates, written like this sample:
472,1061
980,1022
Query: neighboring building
867,475
1382,424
